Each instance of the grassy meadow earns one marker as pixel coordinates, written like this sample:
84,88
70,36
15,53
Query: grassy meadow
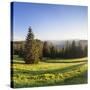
49,72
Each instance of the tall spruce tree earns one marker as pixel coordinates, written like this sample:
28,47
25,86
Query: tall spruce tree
31,49
46,49
52,51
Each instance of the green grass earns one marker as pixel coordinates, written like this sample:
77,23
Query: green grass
51,72
67,60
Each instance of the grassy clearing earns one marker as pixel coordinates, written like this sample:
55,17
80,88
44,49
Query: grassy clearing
67,60
51,73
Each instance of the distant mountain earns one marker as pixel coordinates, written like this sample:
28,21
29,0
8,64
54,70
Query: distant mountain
58,43
61,43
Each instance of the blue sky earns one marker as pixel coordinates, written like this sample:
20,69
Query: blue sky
50,22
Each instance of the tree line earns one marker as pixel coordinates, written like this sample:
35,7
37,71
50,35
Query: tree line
33,50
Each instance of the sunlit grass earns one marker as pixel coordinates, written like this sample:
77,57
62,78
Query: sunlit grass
44,73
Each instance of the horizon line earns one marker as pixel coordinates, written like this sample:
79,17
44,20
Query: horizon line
54,40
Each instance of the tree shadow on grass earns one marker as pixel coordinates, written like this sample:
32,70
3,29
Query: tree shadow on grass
65,61
23,71
17,62
80,79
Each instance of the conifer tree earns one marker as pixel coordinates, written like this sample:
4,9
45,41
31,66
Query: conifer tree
52,51
46,49
31,49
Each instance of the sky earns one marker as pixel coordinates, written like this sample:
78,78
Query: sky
50,21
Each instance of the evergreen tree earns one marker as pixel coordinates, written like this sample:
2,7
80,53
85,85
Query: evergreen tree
73,50
86,51
79,50
53,51
31,49
46,49
67,50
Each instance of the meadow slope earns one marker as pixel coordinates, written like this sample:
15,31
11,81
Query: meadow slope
51,72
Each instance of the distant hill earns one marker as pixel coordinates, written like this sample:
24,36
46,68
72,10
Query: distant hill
58,43
61,43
